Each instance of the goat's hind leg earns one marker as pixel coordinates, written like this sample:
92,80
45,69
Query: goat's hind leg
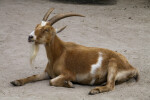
112,70
32,78
126,75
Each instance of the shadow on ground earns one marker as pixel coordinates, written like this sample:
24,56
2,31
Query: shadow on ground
95,2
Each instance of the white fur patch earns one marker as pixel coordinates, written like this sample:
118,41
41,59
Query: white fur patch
33,34
97,65
43,23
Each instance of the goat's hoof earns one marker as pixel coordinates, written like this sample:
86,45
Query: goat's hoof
50,83
94,91
16,83
68,84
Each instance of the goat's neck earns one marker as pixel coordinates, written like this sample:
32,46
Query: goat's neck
54,49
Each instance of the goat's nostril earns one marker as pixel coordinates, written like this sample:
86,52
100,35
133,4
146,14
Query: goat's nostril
30,37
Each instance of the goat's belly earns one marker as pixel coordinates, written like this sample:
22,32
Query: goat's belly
88,79
83,78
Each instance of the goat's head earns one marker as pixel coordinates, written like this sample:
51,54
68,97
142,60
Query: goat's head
44,32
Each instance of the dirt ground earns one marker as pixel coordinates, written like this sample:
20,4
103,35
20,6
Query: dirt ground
123,27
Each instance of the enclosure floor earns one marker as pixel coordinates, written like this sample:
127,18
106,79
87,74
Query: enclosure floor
123,27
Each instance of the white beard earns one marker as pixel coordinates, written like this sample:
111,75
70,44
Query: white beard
35,49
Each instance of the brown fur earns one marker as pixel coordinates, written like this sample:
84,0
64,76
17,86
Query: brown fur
69,62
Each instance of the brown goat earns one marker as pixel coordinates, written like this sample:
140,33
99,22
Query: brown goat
70,62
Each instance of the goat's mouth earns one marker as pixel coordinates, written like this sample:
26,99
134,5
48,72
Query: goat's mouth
31,40
34,41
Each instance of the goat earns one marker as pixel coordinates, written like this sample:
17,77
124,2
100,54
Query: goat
70,62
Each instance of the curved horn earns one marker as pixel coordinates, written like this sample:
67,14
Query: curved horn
47,14
61,16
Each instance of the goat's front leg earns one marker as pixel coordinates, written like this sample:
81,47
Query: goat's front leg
33,78
61,81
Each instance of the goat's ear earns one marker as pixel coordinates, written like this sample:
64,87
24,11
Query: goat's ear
60,29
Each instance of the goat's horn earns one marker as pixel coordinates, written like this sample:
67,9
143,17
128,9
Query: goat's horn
61,29
47,14
61,16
